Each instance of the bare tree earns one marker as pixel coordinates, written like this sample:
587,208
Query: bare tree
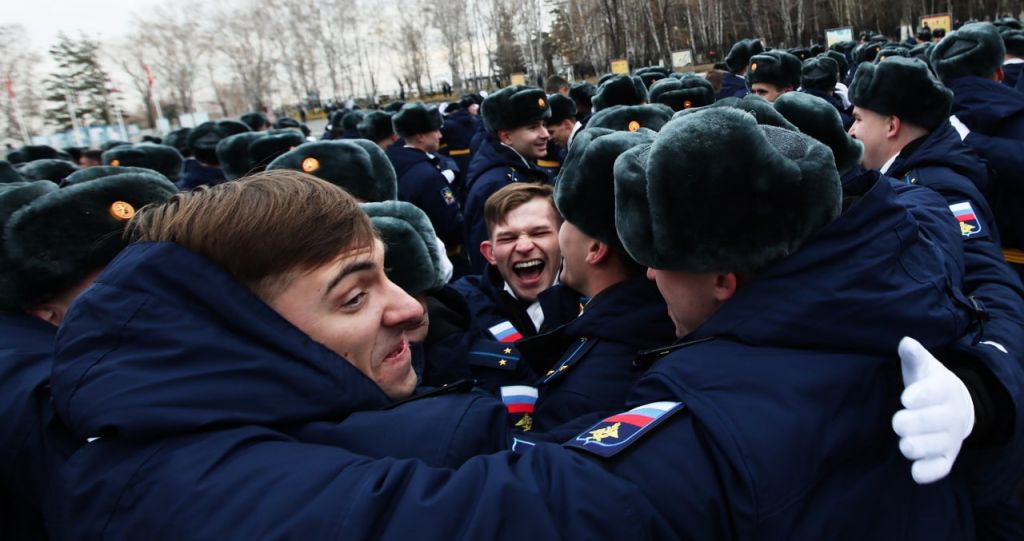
171,38
20,98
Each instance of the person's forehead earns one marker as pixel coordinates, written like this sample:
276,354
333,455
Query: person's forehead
537,211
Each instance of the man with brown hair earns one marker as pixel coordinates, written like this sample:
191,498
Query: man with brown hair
505,301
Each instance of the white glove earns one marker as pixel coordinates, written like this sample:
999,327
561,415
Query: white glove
939,413
446,266
960,127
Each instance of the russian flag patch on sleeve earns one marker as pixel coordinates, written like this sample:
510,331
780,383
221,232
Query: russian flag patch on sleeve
519,400
505,332
970,224
612,435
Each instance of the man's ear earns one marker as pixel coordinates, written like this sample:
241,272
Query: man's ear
487,250
48,312
597,252
503,137
893,127
726,286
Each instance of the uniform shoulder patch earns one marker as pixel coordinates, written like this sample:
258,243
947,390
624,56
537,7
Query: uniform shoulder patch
490,354
970,224
610,436
505,332
447,196
519,401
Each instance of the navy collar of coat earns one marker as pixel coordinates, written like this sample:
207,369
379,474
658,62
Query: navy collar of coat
167,342
984,105
404,158
493,154
941,148
860,284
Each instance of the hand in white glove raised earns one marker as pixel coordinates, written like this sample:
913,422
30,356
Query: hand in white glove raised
939,413
961,129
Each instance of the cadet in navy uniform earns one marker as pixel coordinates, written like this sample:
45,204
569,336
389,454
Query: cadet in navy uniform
989,118
907,136
772,74
428,180
508,300
55,243
561,125
733,83
725,439
581,95
458,131
204,167
1013,40
819,77
516,138
377,126
586,365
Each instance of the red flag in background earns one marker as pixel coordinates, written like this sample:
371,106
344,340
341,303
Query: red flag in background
10,86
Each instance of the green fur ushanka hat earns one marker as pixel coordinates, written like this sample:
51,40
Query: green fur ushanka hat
1013,40
817,118
514,106
975,50
376,126
774,67
619,90
179,140
631,117
255,120
890,50
274,143
48,169
902,87
160,158
651,74
54,241
741,52
585,193
233,153
413,259
31,153
680,207
8,173
841,62
820,72
100,171
416,118
753,105
203,139
562,109
357,165
686,92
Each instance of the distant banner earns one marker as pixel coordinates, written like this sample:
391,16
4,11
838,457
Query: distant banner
518,79
681,59
620,66
838,35
938,20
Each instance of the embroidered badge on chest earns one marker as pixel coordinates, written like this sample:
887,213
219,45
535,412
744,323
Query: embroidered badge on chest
448,196
610,436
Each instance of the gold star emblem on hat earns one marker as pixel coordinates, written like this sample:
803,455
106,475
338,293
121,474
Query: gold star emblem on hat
633,125
753,67
541,102
121,210
115,163
310,164
687,104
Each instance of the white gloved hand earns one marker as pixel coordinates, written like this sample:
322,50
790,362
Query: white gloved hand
960,127
939,413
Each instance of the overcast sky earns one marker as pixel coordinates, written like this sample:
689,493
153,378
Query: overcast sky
43,19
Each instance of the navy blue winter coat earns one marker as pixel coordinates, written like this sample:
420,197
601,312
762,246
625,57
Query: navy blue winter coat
421,183
1011,74
172,363
941,162
586,365
788,392
492,168
491,310
733,86
995,115
33,442
195,174
458,131
771,422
